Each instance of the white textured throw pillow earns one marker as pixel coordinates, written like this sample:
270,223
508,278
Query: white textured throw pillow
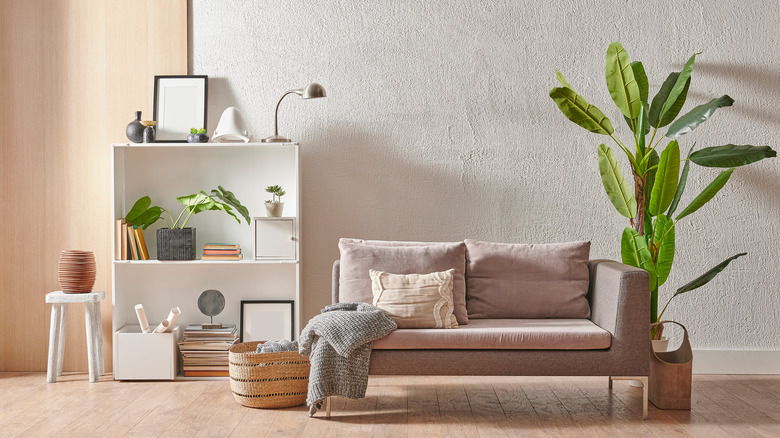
415,300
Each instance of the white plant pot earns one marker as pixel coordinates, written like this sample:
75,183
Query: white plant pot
661,345
274,209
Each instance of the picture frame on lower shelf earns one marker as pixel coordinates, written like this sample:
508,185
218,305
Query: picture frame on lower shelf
267,320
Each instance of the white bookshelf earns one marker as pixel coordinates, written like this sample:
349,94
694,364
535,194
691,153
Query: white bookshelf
165,171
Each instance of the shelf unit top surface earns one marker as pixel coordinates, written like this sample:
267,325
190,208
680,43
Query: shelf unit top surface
203,145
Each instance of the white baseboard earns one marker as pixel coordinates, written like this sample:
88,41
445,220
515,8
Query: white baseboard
736,362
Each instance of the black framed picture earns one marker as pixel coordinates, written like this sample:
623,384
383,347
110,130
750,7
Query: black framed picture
267,320
180,103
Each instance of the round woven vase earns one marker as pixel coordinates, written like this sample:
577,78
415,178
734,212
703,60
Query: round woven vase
77,271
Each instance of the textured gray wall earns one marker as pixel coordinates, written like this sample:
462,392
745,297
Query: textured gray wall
438,126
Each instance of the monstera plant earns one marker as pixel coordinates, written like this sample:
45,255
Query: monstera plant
652,206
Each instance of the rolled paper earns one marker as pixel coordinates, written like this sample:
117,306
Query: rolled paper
162,327
141,313
172,318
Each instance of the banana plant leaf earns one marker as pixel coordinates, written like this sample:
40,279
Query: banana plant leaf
617,188
697,116
652,170
621,83
562,80
680,185
707,276
634,252
665,184
679,85
731,155
229,198
663,239
711,190
641,131
641,80
579,111
660,98
215,205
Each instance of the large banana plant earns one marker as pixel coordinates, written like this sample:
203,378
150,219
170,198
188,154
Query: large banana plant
651,207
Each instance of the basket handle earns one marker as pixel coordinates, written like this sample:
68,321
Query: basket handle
684,346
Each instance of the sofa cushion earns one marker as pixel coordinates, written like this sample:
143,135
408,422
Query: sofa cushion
505,334
415,300
527,281
358,256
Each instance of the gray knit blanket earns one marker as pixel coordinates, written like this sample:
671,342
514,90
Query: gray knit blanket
338,343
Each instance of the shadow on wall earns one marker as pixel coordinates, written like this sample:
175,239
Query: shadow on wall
358,184
220,97
758,79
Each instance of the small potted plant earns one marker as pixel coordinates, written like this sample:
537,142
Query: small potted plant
198,136
274,206
177,241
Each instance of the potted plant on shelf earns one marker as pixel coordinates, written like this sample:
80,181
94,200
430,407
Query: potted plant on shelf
197,136
651,207
177,241
274,206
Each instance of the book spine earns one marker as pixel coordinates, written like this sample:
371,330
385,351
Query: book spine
141,242
124,241
118,239
131,243
222,251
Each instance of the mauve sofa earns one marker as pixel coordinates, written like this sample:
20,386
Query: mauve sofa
603,331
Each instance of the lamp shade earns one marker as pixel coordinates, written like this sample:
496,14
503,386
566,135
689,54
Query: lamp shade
313,91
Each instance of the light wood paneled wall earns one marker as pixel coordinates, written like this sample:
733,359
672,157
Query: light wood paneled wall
72,73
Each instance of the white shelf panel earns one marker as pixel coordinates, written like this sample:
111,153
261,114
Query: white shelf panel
204,262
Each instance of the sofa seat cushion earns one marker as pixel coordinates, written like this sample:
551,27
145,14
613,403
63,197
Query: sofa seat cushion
506,334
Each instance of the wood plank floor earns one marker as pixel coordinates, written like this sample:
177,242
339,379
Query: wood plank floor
429,407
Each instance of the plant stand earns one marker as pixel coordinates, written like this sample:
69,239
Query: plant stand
59,318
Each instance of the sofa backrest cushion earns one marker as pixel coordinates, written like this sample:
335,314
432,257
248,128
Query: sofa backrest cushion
400,258
506,280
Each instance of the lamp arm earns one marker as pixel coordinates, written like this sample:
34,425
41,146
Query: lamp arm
276,113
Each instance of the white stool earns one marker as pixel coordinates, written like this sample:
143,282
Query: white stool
59,318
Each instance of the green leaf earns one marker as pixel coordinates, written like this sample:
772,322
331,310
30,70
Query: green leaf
641,130
663,239
652,170
707,276
680,185
641,80
621,83
711,190
140,206
229,198
680,87
634,252
618,190
562,80
148,217
658,101
731,155
697,116
665,184
579,111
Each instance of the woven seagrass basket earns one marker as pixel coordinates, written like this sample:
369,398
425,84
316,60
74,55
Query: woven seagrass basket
268,380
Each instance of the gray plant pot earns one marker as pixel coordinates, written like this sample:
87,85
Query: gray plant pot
176,244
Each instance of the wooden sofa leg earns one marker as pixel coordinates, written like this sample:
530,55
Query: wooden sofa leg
610,382
327,407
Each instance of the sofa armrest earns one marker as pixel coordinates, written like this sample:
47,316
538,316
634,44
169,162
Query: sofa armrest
619,297
335,282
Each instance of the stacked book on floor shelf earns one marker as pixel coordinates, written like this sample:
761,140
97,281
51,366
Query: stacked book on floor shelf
221,251
204,352
130,243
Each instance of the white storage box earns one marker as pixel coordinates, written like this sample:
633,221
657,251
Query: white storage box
146,356
275,238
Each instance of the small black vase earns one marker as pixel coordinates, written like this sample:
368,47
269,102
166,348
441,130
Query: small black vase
135,130
149,134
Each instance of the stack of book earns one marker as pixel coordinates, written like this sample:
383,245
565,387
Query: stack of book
130,243
204,352
221,251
